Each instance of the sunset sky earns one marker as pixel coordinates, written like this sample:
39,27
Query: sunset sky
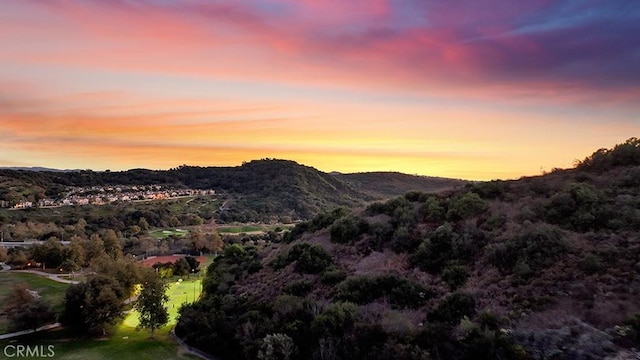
467,89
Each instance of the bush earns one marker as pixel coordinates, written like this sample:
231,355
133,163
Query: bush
389,207
320,221
332,276
453,308
538,246
455,276
626,154
313,259
436,250
494,222
432,210
381,235
336,320
347,230
466,206
405,239
490,190
325,219
416,196
310,259
299,288
590,264
276,347
576,208
401,293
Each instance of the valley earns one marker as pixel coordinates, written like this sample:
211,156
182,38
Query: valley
539,267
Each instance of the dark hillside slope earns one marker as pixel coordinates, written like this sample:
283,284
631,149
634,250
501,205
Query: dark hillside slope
275,187
389,184
545,267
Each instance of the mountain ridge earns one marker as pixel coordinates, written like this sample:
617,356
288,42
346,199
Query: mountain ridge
259,190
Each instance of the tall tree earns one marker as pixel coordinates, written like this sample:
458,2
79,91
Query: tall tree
181,267
194,264
75,251
151,303
214,242
112,245
93,249
91,305
124,271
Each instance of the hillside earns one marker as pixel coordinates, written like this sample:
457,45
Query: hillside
260,190
389,184
544,267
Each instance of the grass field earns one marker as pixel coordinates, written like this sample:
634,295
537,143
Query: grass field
179,293
165,233
50,291
125,342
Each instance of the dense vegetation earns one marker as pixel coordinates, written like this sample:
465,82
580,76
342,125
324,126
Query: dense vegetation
261,190
539,268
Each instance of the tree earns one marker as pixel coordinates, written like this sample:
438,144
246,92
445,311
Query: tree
31,313
151,303
181,267
193,264
51,253
19,295
214,242
91,305
276,347
93,248
455,276
348,229
69,266
17,257
75,251
112,245
197,240
144,224
3,254
467,205
453,308
124,271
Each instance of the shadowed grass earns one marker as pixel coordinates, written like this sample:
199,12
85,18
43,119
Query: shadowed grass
51,291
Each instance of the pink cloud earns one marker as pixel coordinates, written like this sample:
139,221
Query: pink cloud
474,49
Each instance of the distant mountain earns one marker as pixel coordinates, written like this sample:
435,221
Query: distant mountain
37,169
259,190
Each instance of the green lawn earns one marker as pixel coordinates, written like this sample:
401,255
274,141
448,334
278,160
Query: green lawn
165,233
50,291
179,293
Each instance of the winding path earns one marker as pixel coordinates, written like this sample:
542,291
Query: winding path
54,277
